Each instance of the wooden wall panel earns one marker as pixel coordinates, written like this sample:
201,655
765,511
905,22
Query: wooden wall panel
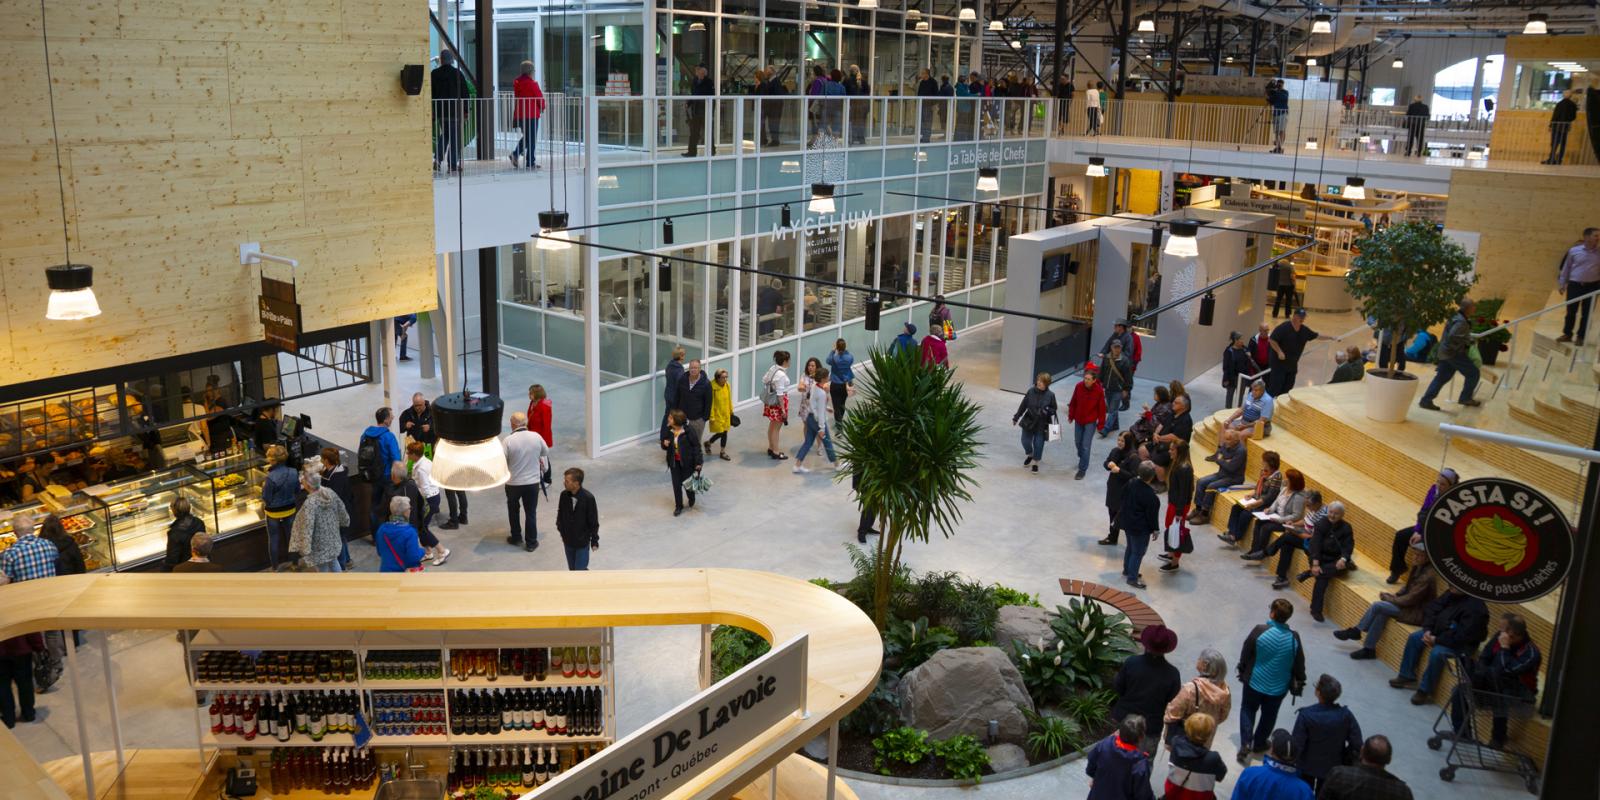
1525,221
189,127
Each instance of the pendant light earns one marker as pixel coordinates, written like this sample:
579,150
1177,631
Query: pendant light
922,25
988,179
996,25
666,232
867,4
1147,25
1311,61
1016,44
921,157
697,27
1182,243
1311,142
469,455
664,275
786,217
1536,25
1097,167
967,14
821,198
914,13
874,309
789,167
553,230
71,293
1397,63
1355,188
1322,23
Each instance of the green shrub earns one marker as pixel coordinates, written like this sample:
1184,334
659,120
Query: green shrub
1007,596
1050,737
859,589
1090,709
907,644
1094,643
964,758
976,612
879,712
823,582
906,746
1047,672
732,647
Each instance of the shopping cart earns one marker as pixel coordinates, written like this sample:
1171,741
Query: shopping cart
1467,748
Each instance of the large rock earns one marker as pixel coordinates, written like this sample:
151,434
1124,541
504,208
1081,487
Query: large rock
1006,757
1025,624
960,690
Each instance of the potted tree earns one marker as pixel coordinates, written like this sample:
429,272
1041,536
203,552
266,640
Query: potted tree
1406,278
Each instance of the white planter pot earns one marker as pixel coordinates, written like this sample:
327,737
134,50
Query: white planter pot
1389,399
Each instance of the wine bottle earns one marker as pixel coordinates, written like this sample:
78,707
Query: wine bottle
316,719
247,718
582,669
285,719
527,766
540,773
508,711
302,713
215,712
594,662
538,709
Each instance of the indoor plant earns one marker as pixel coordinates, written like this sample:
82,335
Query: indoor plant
1405,277
1485,315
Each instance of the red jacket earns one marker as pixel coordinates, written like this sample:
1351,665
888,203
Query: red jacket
539,420
934,351
530,99
1088,405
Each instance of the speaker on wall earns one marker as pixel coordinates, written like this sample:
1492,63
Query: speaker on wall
411,79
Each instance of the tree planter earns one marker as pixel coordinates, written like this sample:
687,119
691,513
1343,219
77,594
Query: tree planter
1389,394
1490,354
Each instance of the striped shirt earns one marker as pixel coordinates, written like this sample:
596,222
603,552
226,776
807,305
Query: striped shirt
28,559
1274,660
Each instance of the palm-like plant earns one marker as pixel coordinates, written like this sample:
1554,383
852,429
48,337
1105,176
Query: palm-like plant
908,446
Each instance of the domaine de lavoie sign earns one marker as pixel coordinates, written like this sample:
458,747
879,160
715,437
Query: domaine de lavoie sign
665,755
1498,540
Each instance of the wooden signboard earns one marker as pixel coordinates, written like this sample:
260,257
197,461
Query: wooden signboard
280,314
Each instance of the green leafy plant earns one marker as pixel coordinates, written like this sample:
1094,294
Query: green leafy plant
1485,315
903,745
732,647
964,758
1050,737
880,711
1089,709
910,448
1408,277
908,644
1046,671
1094,643
823,582
862,587
1007,596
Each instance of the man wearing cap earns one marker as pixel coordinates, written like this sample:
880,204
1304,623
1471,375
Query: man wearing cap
1288,342
1277,778
1087,413
907,340
1147,683
1116,374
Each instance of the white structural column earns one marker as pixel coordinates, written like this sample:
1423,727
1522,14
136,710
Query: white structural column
591,281
75,679
111,699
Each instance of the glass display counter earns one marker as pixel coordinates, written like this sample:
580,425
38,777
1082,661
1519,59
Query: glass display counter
233,499
84,520
225,493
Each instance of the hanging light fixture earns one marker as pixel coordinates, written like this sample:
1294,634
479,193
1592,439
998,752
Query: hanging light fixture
606,182
874,308
967,14
1355,188
1182,243
988,179
469,455
664,275
1322,23
821,198
1228,60
1097,167
789,167
922,25
914,13
1016,44
1311,142
1537,25
867,4
697,26
1397,63
666,231
1311,61
996,25
922,156
1147,25
1208,309
71,295
786,217
553,233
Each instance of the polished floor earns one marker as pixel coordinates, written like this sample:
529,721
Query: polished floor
1025,530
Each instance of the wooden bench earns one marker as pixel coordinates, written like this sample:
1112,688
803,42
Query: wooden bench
1138,612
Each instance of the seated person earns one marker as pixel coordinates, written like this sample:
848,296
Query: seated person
1257,406
1154,417
1351,365
1411,535
1288,509
1405,605
1230,459
1267,487
1179,429
1506,671
1295,537
1453,624
1331,551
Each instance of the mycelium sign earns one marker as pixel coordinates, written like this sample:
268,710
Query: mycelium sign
663,756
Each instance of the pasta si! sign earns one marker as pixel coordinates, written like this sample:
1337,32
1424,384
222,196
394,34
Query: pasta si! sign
1499,541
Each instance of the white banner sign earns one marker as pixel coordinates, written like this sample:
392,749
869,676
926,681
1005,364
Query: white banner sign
663,756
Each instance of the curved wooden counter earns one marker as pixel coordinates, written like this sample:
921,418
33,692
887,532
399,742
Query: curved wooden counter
844,650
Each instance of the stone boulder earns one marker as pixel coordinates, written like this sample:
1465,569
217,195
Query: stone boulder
1006,758
960,690
1024,624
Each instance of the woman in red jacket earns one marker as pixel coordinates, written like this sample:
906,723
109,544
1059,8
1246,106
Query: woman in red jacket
541,414
1087,413
528,106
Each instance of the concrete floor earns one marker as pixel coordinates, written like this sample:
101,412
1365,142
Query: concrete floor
1022,529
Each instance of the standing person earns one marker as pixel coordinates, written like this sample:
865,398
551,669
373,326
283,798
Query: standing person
69,556
378,449
1410,537
200,556
671,374
315,535
30,557
771,110
1139,518
1087,413
1123,464
1116,372
541,414
1416,120
1092,100
1288,343
694,400
422,475
526,453
1236,362
928,91
1453,358
1271,664
1367,780
1207,693
1277,778
1034,415
1064,92
683,457
1326,734
934,351
1580,275
1196,768
833,110
1118,768
525,115
905,340
939,316
402,333
400,484
1260,349
775,402
1278,101
450,93
577,520
1406,605
398,548
1146,683
1561,119
416,422
856,86
337,479
695,111
1180,494
721,413
184,527
814,415
842,377
869,516
1453,624
16,668
278,497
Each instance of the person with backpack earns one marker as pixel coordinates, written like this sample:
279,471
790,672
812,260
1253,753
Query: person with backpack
775,402
1326,734
377,450
1116,374
905,340
939,318
1271,664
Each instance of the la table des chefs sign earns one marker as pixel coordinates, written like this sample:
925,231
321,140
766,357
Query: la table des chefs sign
658,759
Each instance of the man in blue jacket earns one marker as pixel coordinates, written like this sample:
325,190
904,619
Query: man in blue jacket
1117,768
1277,778
1325,733
906,340
375,454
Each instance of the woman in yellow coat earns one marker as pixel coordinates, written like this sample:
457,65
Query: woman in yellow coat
721,413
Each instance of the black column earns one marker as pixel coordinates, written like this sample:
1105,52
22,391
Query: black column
489,318
1569,769
1122,48
1063,19
483,33
1255,44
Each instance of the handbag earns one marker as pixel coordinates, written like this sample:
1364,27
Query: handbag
399,560
733,420
949,331
1053,433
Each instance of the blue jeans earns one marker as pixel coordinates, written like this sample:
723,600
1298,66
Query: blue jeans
1446,370
527,496
813,432
1216,480
577,558
277,528
1083,436
1375,620
1133,556
529,142
1408,662
1251,733
1113,405
1033,444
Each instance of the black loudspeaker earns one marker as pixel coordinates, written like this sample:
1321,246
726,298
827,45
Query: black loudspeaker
874,307
1072,266
1274,277
1225,189
411,79
1208,309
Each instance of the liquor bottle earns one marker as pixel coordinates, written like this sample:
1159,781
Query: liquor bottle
540,773
317,720
230,710
491,665
215,712
247,718
527,767
285,719
458,713
594,662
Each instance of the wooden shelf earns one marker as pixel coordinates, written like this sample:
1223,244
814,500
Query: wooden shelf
409,685
522,737
276,687
406,741
550,681
295,740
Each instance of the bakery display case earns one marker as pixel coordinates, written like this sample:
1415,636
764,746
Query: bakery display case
138,510
232,495
60,420
84,519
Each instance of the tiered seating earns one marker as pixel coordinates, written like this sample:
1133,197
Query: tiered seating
1381,473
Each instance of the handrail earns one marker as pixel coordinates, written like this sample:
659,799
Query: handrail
1502,326
1523,442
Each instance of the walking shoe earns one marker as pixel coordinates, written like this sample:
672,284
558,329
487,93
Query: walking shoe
1280,584
1303,576
1317,615
1402,683
1035,468
1078,476
1109,540
517,540
1226,539
1428,404
724,457
800,470
1027,461
1136,583
1394,577
861,537
1364,654
677,512
1565,337
1347,634
1420,699
1243,757
440,556
1471,403
1170,567
1164,556
514,163
449,525
532,546
1255,556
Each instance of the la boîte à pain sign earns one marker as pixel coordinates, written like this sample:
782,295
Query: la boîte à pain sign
280,314
665,755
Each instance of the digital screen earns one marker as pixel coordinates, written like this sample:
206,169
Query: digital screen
290,427
1334,189
1053,273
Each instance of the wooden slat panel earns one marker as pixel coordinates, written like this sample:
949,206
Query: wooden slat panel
231,21
80,18
273,89
1525,222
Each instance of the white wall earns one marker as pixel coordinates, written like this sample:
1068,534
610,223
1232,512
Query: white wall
503,208
1424,58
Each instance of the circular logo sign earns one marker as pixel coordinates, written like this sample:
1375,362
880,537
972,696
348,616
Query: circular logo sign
1497,540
